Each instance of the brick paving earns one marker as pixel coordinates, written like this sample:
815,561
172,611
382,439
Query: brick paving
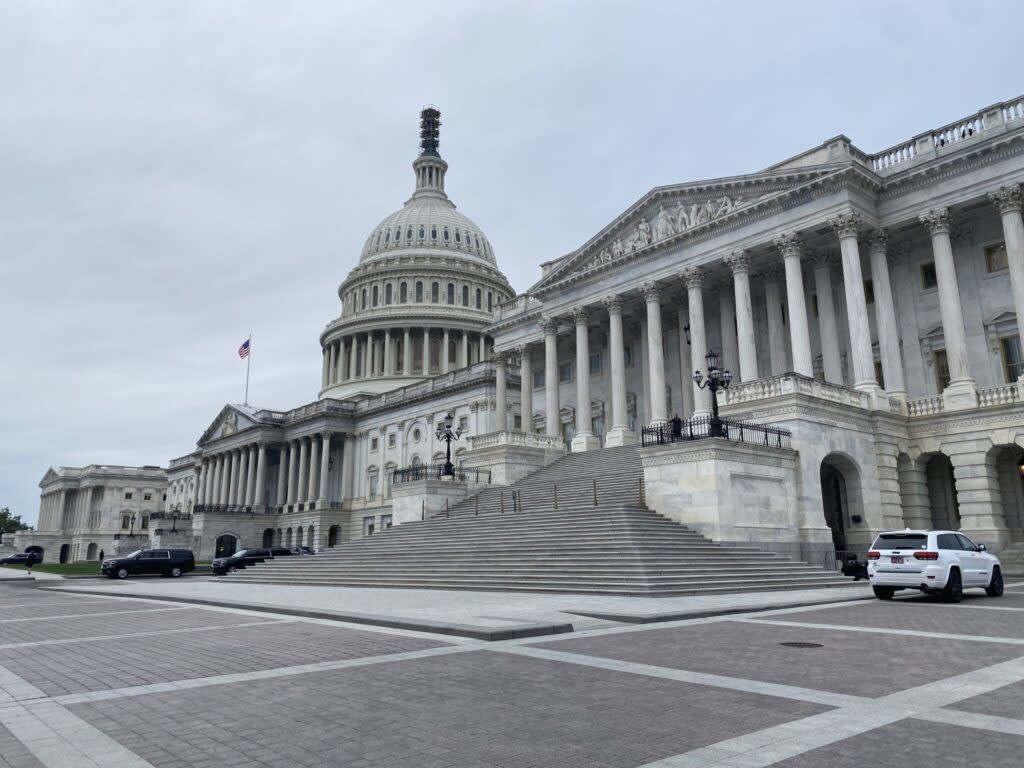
125,623
14,754
78,608
1004,702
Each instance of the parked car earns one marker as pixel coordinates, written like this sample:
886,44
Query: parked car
165,562
18,558
303,551
246,557
935,562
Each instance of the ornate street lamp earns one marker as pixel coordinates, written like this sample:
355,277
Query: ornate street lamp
131,533
175,514
715,380
445,432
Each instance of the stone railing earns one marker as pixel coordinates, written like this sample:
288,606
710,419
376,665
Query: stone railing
793,384
926,144
437,382
192,458
519,439
925,406
520,305
1002,395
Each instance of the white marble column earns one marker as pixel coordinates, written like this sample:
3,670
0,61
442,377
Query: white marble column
694,281
619,433
407,352
353,356
446,346
727,324
1008,201
332,365
526,388
846,227
389,356
655,353
552,407
483,347
739,262
325,461
885,316
366,356
772,277
282,475
584,439
464,353
250,476
293,471
259,495
500,394
827,330
685,360
791,248
219,495
232,495
427,362
243,476
962,391
204,472
314,469
348,450
326,368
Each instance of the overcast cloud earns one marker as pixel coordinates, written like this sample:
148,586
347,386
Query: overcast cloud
174,174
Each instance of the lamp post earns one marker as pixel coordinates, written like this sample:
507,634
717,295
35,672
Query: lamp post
445,432
715,380
175,514
131,533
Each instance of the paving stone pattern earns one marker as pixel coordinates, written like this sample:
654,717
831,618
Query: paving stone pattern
917,743
14,754
117,624
863,664
1007,701
161,658
78,608
469,710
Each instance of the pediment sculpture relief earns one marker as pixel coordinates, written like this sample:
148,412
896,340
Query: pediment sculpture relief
230,424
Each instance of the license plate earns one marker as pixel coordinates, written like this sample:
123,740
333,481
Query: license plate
896,560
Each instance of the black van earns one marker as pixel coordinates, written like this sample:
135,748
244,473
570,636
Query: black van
245,557
166,562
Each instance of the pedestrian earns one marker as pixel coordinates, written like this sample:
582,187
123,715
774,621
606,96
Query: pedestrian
677,427
30,561
101,555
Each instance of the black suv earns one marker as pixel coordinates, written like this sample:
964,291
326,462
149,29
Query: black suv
246,557
166,562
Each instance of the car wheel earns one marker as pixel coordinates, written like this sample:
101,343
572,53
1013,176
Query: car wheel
884,593
995,586
954,589
175,572
122,573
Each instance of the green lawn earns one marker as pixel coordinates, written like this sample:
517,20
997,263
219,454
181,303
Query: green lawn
78,569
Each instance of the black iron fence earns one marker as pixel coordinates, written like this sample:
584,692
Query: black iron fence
436,472
161,515
701,427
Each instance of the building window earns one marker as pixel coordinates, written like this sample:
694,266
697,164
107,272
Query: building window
869,292
464,423
127,495
595,364
538,379
385,522
627,355
565,372
490,301
419,292
147,497
403,293
814,304
387,293
941,369
928,277
517,422
879,377
126,521
451,293
165,497
372,484
995,257
479,299
364,299
376,295
367,526
465,295
373,443
1013,361
435,293
392,440
145,522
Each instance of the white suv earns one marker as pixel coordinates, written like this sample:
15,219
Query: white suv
945,562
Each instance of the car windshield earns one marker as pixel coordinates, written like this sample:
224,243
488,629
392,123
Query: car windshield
240,553
901,541
136,553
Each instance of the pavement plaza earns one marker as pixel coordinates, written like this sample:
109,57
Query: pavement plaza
90,680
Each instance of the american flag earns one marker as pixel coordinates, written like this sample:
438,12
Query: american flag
243,351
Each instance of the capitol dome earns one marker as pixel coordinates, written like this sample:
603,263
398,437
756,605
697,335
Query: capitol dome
424,290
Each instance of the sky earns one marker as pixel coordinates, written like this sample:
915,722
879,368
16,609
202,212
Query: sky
177,174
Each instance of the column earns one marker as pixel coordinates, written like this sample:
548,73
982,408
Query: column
464,357
293,471
584,439
348,448
790,247
407,353
332,365
483,347
885,316
243,480
698,337
739,262
655,353
445,349
204,471
773,308
303,485
353,356
366,356
553,418
500,398
325,462
260,491
727,323
250,476
389,357
619,433
233,478
1008,201
323,374
427,362
846,226
830,362
282,475
219,480
526,388
685,372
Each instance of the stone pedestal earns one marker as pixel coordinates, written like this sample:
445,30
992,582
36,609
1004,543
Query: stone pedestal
511,456
960,395
421,499
582,443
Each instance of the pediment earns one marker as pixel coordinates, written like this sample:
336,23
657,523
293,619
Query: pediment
668,215
231,419
50,476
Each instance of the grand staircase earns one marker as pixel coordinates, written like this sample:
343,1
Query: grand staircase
593,535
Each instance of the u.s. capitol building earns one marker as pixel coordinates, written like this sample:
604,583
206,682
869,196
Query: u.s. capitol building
866,305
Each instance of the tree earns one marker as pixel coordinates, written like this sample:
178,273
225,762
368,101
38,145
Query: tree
11,523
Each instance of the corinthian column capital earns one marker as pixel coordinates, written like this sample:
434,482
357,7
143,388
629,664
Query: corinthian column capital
549,325
651,291
878,241
1007,199
936,221
523,350
788,244
692,277
580,315
738,261
846,224
613,303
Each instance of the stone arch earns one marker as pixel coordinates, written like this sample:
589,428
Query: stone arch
65,553
1008,463
288,537
268,537
943,499
91,551
841,497
299,536
311,537
39,551
225,545
913,486
333,534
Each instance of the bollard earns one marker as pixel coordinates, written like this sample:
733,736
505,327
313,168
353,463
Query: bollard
515,501
595,492
446,512
423,510
556,497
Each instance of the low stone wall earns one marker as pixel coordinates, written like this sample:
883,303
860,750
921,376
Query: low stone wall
420,499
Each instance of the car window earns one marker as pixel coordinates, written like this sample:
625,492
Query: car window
901,541
967,544
948,541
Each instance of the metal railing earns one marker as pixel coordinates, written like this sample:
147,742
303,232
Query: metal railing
162,515
699,428
436,472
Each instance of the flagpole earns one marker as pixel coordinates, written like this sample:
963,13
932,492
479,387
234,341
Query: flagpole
248,363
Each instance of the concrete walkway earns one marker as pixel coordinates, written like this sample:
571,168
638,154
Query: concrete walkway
482,615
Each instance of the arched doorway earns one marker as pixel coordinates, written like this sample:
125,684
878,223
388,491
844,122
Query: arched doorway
298,536
90,551
311,537
268,537
942,495
288,537
64,552
39,551
332,536
227,545
840,497
1008,461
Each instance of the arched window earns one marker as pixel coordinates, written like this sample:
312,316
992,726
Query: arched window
398,234
364,298
387,236
419,291
451,293
434,293
376,295
422,233
465,295
458,236
387,293
408,233
446,235
403,293
490,302
479,298
433,233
